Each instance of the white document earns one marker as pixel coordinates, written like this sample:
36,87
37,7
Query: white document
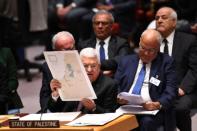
135,109
131,98
67,67
68,116
94,119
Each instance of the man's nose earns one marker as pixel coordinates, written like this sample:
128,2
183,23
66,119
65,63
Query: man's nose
89,69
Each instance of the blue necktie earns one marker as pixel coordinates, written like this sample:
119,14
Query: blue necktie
140,80
102,51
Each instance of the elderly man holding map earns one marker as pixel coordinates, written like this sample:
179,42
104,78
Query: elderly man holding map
104,87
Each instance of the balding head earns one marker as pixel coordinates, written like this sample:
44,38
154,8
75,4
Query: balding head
149,45
152,38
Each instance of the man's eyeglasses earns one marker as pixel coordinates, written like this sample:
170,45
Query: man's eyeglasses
150,50
104,23
93,66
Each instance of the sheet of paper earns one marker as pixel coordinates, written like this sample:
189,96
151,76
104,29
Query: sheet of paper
135,109
94,119
131,98
67,67
68,116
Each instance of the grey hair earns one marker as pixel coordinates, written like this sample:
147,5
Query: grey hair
89,52
103,12
60,34
173,14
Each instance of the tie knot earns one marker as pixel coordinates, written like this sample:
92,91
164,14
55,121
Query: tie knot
165,41
101,43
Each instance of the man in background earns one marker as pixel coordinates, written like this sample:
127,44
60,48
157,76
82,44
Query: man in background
61,41
108,46
183,48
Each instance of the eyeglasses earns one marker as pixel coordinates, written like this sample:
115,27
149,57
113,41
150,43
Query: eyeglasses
104,23
150,50
93,66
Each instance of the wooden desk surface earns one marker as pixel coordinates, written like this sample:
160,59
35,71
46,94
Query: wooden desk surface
123,123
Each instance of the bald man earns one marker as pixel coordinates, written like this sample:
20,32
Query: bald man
158,88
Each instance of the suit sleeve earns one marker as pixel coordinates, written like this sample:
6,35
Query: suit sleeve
189,81
45,91
170,89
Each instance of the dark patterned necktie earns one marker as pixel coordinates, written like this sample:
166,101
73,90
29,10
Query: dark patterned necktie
165,50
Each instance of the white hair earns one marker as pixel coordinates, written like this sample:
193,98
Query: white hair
60,34
89,52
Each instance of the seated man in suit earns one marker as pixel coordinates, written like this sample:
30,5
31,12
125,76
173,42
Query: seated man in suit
61,41
104,87
183,48
157,85
109,47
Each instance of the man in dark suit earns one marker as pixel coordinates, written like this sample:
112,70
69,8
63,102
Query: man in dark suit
158,87
61,41
104,87
114,46
183,48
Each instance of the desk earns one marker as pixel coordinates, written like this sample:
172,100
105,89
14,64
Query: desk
122,123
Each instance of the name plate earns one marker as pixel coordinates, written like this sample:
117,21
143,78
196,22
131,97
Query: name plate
34,124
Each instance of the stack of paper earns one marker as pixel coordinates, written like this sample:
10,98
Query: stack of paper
68,116
134,104
94,119
135,109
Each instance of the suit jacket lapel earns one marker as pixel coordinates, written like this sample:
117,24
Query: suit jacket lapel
155,66
175,45
131,76
111,47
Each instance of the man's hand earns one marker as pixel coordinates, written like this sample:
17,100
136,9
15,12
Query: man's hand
55,84
122,101
88,103
61,12
151,105
181,92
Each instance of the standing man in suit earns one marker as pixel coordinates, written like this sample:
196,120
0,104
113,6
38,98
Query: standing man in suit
183,48
61,41
114,46
104,87
158,86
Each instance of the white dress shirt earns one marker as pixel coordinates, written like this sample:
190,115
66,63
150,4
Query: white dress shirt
145,88
105,46
170,39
